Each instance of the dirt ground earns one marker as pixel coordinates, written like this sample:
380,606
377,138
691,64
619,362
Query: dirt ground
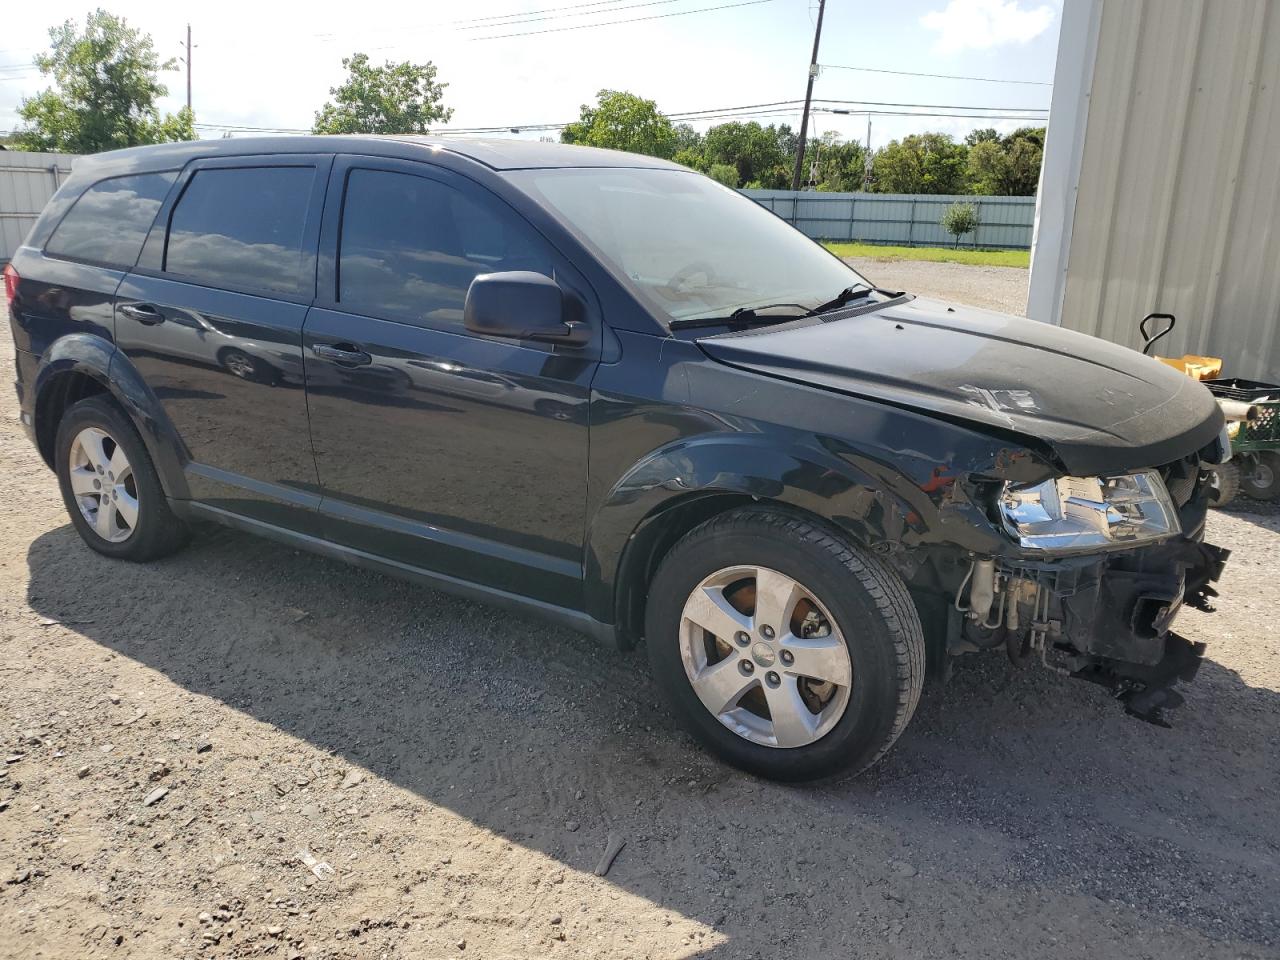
183,739
995,288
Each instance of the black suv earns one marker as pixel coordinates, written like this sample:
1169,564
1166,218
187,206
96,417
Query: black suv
605,388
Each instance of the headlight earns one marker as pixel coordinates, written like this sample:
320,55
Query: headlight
1077,513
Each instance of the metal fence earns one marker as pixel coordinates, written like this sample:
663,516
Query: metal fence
27,181
912,220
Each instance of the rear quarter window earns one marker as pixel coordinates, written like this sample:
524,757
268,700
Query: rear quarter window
110,220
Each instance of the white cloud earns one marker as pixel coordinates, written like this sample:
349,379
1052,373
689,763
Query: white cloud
982,24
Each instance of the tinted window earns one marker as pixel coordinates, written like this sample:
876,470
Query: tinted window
111,219
242,228
410,246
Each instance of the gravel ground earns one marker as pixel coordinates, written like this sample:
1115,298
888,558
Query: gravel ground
995,288
183,739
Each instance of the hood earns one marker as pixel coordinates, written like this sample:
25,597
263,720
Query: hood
1097,406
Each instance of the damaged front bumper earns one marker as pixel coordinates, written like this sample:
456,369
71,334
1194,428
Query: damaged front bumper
1106,619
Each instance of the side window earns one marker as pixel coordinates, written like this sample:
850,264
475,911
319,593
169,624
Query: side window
410,247
111,219
242,227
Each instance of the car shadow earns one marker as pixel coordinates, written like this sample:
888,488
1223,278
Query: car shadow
1011,786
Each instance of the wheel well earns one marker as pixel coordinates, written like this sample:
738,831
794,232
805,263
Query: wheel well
651,542
660,532
58,394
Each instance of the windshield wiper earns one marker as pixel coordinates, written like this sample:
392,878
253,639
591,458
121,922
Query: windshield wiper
745,315
751,316
841,298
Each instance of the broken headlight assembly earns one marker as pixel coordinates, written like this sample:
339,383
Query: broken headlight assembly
1083,513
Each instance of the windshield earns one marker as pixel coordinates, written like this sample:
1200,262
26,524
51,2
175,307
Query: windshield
692,247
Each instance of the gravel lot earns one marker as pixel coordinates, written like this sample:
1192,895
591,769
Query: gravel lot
995,288
460,771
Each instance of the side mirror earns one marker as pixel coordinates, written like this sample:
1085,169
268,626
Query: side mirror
521,305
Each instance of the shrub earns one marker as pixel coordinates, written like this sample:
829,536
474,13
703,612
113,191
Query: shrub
960,218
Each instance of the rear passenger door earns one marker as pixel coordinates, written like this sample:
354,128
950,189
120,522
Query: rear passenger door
436,447
212,318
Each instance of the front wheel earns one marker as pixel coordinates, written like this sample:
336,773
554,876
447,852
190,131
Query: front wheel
786,650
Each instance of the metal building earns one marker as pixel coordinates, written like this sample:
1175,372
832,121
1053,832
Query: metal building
27,181
1161,184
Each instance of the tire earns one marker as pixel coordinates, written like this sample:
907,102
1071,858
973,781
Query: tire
1263,481
869,610
1226,482
154,531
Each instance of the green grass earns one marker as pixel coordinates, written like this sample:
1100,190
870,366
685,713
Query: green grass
986,258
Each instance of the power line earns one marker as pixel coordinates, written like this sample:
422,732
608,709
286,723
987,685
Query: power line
475,25
530,13
742,111
736,114
614,23
934,106
953,116
936,76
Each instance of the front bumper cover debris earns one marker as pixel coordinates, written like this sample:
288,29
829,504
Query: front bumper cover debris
1108,620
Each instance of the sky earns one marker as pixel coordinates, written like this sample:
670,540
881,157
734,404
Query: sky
266,65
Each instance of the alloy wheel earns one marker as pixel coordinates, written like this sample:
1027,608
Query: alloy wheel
765,657
103,484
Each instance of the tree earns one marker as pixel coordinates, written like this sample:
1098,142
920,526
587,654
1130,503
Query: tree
841,164
393,98
1008,166
959,219
623,121
725,173
687,138
689,148
106,84
921,163
754,150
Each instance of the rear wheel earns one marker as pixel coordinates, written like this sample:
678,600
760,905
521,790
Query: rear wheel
109,485
1263,481
783,648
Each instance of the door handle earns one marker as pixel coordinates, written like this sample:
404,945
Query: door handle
345,354
142,312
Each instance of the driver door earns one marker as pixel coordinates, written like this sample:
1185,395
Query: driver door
453,452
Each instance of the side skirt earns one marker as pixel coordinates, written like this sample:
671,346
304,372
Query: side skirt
577,620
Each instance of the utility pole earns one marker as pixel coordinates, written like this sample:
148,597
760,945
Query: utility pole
866,159
808,97
188,62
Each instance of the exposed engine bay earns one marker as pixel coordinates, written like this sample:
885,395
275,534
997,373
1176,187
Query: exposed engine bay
1106,617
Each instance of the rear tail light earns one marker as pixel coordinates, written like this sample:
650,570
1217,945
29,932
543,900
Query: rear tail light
11,279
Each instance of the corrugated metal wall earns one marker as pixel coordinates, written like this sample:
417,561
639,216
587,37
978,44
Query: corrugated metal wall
1178,205
27,181
910,219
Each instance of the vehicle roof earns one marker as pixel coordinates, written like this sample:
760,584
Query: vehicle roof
495,153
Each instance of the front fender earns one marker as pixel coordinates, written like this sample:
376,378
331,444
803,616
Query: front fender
750,468
94,357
